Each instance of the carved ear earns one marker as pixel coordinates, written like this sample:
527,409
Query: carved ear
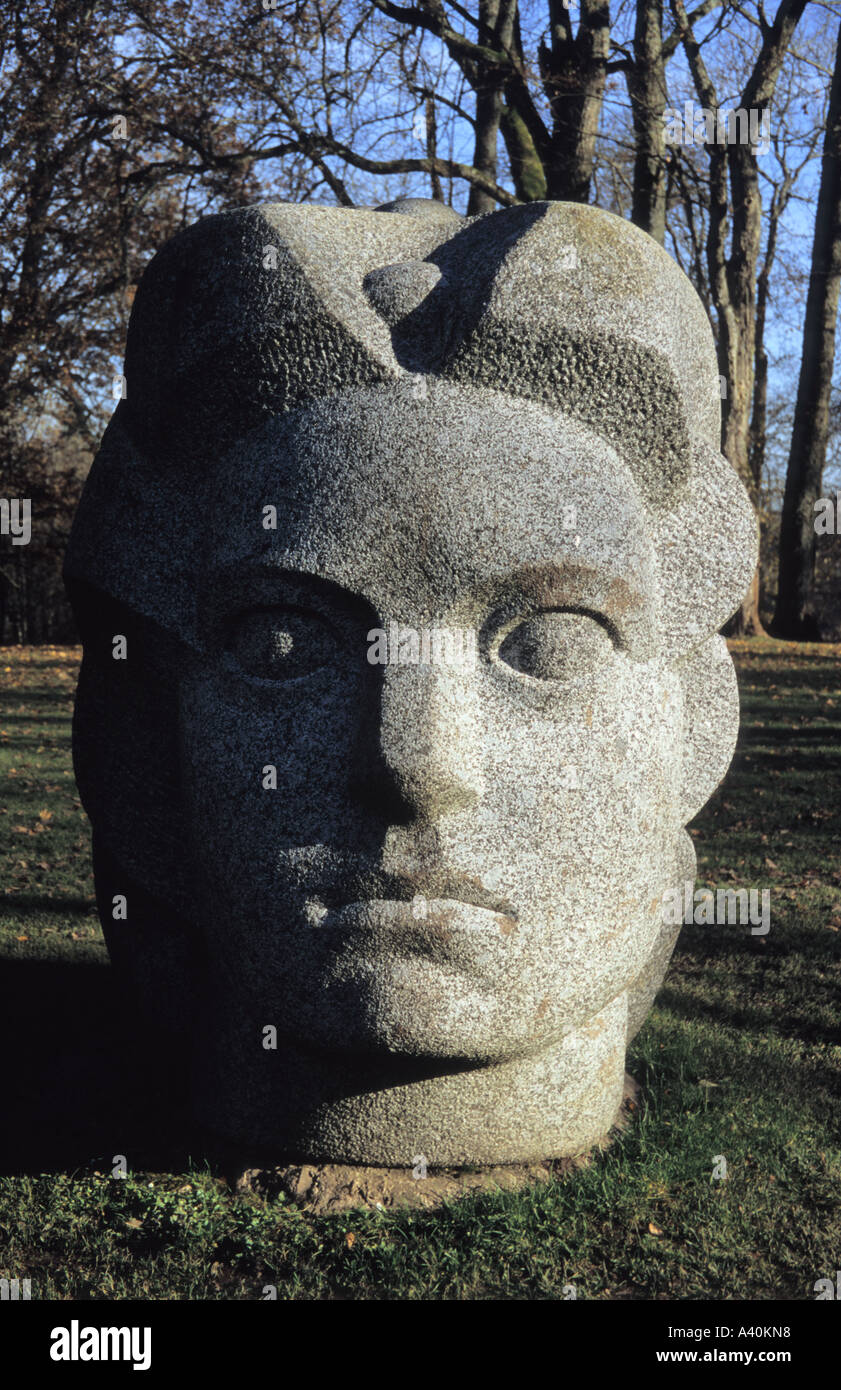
643,991
157,954
125,745
707,549
711,715
135,535
711,721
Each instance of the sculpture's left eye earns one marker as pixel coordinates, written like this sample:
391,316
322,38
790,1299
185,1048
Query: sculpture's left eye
556,645
280,644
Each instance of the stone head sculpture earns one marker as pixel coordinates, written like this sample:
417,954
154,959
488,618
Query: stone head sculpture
417,536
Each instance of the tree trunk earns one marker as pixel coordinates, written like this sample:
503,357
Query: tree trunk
526,165
497,15
759,417
793,618
647,93
733,277
746,621
574,71
432,147
733,281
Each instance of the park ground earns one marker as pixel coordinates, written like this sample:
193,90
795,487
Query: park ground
740,1059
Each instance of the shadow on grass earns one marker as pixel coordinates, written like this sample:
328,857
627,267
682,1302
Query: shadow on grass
80,1085
19,903
14,715
762,1020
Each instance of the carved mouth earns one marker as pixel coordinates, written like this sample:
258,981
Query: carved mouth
439,887
454,934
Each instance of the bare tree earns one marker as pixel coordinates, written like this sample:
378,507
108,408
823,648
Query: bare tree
647,92
793,617
124,121
734,193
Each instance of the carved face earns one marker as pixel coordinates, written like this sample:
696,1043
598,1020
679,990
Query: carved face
438,857
438,879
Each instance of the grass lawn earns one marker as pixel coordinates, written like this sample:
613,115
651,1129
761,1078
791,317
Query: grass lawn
741,1058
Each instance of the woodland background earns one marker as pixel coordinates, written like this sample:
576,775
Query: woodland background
122,122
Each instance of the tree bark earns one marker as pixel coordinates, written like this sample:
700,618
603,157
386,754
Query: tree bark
574,72
647,93
524,144
794,618
733,276
498,17
759,417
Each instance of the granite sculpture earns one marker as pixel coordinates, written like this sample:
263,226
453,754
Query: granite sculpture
399,573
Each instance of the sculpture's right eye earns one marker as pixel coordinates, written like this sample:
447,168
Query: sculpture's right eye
281,644
556,645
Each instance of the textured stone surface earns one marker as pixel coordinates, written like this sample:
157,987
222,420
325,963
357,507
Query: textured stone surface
449,906
324,1189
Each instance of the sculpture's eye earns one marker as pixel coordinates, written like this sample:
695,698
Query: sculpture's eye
280,644
556,646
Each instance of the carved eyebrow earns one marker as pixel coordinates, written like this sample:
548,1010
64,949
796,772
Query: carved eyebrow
284,578
626,607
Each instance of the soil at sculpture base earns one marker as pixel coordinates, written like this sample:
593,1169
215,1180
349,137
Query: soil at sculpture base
332,1187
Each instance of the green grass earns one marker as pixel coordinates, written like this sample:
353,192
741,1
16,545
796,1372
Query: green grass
740,1058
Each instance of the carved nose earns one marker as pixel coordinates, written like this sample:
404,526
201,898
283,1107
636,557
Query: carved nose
397,290
414,299
426,762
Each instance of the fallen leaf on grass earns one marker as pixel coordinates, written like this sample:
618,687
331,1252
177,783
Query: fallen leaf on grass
654,1230
350,1237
